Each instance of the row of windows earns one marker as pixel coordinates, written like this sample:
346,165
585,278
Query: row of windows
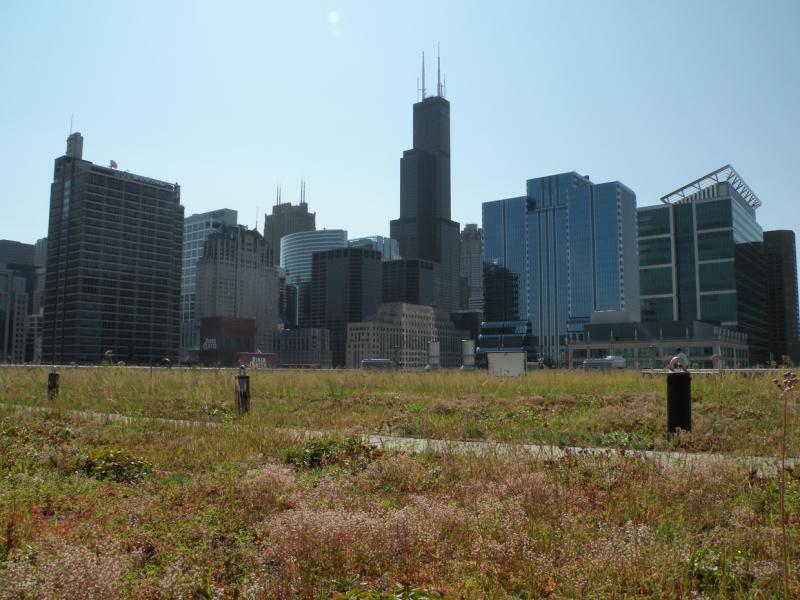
128,186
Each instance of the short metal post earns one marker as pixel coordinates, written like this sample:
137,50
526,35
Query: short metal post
52,384
242,391
679,401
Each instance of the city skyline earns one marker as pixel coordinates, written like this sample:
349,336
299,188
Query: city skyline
651,114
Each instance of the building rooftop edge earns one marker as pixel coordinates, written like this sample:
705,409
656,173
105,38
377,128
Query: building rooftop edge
725,173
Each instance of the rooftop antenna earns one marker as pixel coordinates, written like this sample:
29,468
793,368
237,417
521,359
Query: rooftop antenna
438,71
278,195
303,190
423,75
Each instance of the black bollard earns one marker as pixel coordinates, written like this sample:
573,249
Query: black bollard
679,401
242,392
52,384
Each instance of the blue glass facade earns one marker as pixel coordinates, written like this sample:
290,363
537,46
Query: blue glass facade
505,245
570,242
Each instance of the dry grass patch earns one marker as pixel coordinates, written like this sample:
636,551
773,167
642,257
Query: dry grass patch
227,517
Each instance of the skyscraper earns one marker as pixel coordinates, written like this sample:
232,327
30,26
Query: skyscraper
235,278
113,263
17,282
18,289
287,218
700,257
196,229
780,275
424,229
346,287
296,252
471,258
572,244
505,253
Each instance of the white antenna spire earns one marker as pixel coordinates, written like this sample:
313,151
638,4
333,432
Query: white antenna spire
438,71
423,75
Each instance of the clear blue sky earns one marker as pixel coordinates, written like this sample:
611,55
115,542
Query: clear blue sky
231,98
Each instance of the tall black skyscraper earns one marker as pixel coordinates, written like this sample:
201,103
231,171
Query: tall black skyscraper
113,264
424,229
345,288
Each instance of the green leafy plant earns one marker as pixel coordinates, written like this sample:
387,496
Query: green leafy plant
350,453
115,464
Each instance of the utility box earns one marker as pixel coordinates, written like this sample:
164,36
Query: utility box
433,355
507,364
467,355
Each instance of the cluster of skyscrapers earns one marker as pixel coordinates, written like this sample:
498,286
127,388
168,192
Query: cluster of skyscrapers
591,274
569,270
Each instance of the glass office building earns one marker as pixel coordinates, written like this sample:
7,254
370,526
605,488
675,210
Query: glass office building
572,243
296,261
505,254
700,257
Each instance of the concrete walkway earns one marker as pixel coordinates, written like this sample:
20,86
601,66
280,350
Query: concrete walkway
760,465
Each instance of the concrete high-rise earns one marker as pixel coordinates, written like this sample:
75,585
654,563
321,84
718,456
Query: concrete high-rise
287,218
471,259
346,287
700,257
571,244
401,333
196,229
235,278
113,264
424,229
780,276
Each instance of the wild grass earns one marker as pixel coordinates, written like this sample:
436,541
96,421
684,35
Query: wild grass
220,513
731,413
